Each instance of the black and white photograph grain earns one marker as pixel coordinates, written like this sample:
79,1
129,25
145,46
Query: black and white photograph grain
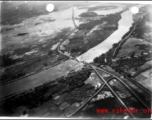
76,59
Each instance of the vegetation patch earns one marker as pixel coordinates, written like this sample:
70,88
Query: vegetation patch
88,14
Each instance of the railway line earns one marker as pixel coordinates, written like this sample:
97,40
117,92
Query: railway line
139,92
141,100
129,84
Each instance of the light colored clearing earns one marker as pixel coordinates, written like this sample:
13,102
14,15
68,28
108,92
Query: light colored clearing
78,22
31,52
97,27
41,40
148,35
123,26
149,24
93,80
66,42
17,56
66,53
55,46
40,78
102,95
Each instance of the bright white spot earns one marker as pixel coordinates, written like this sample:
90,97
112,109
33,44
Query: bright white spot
126,117
77,105
99,84
31,52
50,7
134,10
55,46
25,1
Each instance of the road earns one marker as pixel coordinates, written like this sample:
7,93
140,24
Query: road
105,82
25,83
102,79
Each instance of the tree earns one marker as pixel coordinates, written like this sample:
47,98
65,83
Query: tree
96,60
45,64
114,45
6,60
132,54
142,53
50,52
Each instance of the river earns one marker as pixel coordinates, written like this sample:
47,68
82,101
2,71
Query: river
61,70
124,25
